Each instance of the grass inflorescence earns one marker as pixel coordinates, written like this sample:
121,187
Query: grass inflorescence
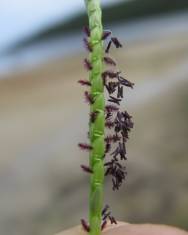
103,116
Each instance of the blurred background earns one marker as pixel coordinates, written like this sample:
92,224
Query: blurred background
43,115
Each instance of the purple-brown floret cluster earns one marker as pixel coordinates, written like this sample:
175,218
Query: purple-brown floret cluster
118,121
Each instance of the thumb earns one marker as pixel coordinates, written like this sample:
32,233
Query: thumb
144,229
78,230
130,229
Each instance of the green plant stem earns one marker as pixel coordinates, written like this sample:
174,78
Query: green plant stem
96,128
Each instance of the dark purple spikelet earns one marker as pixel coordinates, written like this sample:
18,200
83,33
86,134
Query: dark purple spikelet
88,97
104,223
122,151
84,82
125,82
116,42
119,117
120,92
86,30
114,185
87,64
106,215
114,100
84,146
111,87
107,147
109,124
106,34
93,116
108,139
111,108
124,134
112,220
110,74
104,80
108,47
86,169
87,45
130,124
85,226
105,209
116,138
108,116
113,138
126,115
115,153
109,61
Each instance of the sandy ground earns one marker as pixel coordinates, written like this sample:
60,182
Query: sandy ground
43,116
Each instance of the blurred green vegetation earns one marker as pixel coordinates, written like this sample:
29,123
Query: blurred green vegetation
124,11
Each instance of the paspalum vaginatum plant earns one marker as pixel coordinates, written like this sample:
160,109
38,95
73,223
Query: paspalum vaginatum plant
107,149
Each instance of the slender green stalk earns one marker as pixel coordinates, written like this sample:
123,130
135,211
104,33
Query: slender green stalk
97,127
101,116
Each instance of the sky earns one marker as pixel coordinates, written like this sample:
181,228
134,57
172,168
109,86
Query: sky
19,18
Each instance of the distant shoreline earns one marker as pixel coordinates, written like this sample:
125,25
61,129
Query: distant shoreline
60,47
126,11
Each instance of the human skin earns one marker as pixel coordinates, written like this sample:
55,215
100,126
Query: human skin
130,229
